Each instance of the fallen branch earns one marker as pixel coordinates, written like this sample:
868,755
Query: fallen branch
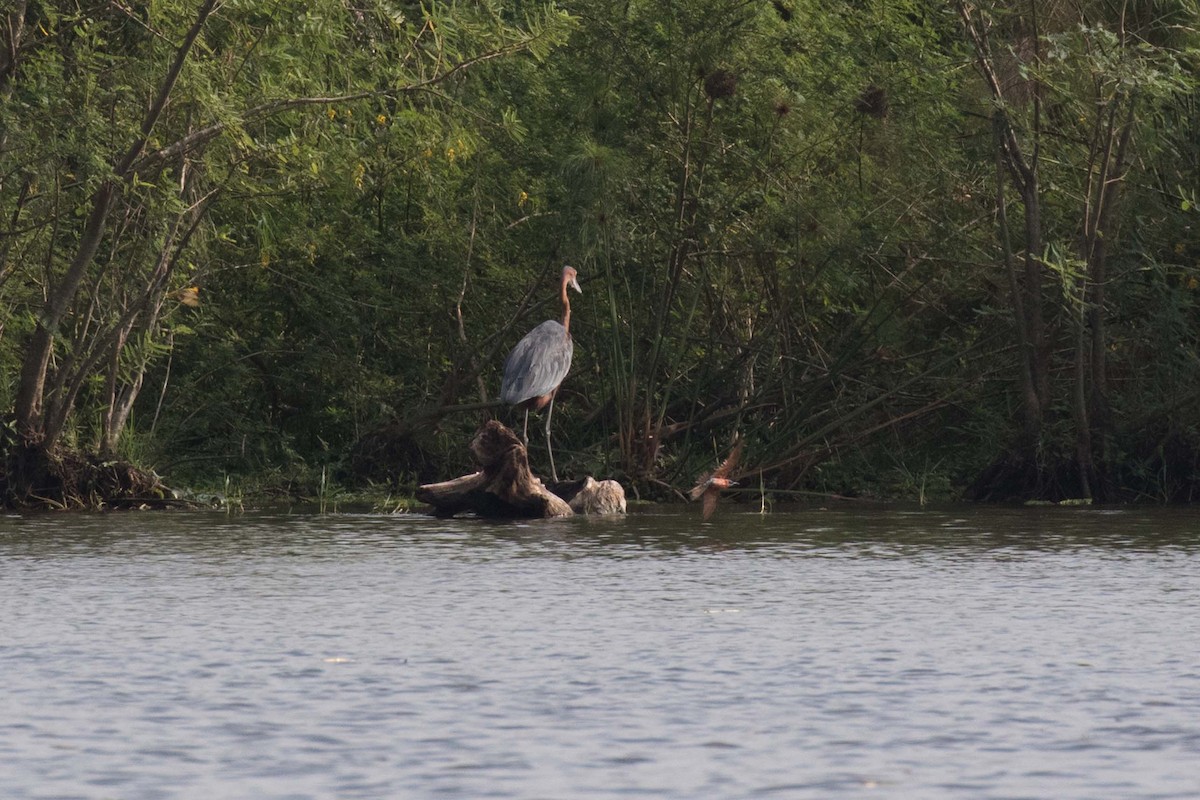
505,488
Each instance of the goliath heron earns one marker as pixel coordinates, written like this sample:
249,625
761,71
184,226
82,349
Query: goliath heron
539,363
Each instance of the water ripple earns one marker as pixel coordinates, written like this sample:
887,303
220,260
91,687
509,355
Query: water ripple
957,654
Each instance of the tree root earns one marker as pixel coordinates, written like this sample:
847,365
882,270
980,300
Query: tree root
505,488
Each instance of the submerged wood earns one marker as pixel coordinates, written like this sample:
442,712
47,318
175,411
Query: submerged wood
506,488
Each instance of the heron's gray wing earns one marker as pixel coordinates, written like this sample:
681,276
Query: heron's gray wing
538,364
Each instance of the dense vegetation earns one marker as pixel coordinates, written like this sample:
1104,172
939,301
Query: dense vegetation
912,248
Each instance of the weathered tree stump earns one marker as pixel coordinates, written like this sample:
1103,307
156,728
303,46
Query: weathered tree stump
505,488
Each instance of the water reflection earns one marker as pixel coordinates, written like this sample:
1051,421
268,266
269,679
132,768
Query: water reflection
880,532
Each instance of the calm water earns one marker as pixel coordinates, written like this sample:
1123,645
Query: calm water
821,654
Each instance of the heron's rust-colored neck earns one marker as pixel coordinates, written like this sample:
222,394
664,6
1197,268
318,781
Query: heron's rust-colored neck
566,301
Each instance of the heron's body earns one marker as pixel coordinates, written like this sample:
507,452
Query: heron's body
538,364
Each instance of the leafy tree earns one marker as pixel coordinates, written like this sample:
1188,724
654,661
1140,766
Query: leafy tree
1070,94
175,108
313,230
722,167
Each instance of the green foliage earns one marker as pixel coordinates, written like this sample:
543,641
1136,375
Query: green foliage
783,214
285,131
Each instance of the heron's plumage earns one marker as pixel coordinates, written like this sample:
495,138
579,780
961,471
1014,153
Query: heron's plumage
538,364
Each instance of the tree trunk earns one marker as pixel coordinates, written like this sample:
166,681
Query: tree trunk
1018,472
1092,369
1031,404
31,390
28,405
505,488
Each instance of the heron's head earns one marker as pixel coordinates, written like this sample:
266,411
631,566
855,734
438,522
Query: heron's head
569,279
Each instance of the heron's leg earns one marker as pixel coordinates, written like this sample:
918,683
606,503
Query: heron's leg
549,450
525,430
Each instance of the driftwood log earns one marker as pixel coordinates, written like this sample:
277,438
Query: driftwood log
506,488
